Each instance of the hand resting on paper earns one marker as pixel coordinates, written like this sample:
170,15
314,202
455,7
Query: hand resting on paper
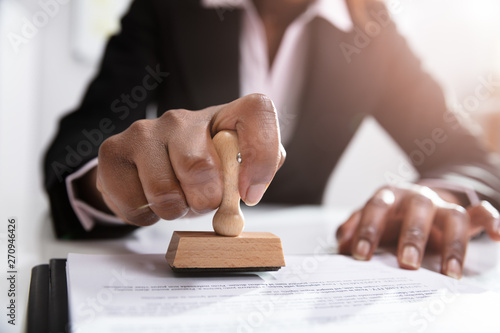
416,218
166,167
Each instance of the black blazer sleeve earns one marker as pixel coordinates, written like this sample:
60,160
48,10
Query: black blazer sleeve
129,76
413,110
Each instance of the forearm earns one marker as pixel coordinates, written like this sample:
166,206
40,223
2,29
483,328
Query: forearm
129,59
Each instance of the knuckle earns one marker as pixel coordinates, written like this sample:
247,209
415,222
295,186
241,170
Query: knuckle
197,170
109,148
423,201
414,235
457,248
382,199
175,118
368,232
140,129
456,212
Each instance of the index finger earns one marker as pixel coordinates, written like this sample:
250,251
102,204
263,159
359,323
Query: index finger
372,223
255,120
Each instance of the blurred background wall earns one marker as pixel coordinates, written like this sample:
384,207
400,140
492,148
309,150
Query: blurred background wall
45,75
49,50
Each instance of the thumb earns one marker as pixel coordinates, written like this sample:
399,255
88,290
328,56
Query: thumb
254,119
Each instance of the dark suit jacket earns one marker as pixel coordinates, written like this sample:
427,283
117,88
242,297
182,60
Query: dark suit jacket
199,49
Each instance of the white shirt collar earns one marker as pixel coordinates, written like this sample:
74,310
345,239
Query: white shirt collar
334,11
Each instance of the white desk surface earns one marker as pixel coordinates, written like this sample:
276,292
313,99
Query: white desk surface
303,230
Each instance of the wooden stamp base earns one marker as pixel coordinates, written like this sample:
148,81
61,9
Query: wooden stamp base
193,251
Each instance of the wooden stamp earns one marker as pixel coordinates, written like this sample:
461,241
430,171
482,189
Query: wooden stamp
228,248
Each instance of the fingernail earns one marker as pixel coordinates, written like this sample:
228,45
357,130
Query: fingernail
453,269
362,250
410,256
254,194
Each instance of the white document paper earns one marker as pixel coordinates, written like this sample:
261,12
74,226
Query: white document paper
322,293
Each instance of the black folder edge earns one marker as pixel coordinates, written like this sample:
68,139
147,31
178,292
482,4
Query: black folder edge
48,299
